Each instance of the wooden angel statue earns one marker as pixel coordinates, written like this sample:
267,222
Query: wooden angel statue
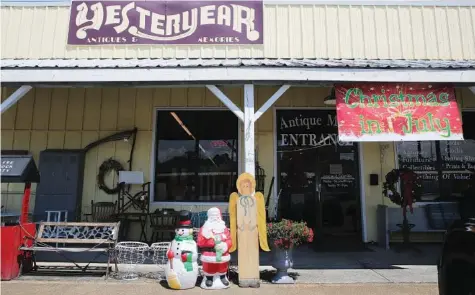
247,217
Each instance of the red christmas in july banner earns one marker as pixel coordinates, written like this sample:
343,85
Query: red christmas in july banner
395,112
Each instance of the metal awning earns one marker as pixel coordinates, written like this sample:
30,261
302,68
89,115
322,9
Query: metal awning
241,71
238,62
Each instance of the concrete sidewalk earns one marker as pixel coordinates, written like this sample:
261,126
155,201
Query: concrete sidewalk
153,288
375,266
401,274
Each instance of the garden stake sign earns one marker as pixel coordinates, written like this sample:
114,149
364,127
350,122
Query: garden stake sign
247,216
393,112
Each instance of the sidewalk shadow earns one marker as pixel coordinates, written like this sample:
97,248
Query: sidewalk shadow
265,276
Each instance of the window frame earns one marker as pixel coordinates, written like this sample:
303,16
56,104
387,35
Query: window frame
154,152
396,160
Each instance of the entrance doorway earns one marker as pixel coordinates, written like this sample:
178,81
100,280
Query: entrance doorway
318,177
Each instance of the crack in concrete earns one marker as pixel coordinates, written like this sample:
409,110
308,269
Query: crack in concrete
366,266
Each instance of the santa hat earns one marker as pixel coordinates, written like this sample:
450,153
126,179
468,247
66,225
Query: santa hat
184,219
214,212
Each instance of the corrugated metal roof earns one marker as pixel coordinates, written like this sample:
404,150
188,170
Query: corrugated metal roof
192,63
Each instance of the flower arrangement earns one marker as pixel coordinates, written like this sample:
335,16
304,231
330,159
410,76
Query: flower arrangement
286,234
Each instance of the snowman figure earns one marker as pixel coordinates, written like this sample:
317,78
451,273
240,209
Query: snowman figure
182,267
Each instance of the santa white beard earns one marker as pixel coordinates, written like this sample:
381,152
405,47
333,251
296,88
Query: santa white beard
212,227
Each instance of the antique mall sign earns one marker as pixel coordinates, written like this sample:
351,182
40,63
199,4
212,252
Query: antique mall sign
165,22
393,112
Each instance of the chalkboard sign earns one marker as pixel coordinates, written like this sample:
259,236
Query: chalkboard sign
19,169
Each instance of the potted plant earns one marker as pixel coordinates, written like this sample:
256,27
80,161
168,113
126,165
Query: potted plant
285,235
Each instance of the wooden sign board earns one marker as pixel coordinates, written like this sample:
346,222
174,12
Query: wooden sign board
248,229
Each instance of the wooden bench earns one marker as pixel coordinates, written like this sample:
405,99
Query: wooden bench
77,237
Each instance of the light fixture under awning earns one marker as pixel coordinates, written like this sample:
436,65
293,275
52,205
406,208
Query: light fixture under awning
330,99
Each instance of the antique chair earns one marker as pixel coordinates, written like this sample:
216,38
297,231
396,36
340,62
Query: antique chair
163,223
103,211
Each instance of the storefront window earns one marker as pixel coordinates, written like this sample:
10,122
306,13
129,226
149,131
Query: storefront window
445,167
196,156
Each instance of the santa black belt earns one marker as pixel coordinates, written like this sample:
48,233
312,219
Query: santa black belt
208,250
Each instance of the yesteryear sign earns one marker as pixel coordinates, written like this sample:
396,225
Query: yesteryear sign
393,112
165,22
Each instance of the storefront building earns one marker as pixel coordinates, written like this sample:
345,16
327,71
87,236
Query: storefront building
190,103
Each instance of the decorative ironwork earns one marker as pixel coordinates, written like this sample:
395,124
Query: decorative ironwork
129,254
159,256
79,232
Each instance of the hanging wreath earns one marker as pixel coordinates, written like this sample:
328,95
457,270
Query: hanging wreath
106,167
411,187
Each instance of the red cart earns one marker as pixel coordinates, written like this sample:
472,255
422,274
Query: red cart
18,169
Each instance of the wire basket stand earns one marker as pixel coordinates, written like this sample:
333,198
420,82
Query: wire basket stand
129,254
159,257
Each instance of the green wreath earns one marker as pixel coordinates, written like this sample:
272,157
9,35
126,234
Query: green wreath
392,179
106,167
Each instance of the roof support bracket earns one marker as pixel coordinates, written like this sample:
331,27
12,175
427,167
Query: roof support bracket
271,101
226,101
15,97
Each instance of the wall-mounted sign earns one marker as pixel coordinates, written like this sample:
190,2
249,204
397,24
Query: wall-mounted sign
165,22
393,112
19,169
307,129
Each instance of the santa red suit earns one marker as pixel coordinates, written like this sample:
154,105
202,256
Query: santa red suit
214,239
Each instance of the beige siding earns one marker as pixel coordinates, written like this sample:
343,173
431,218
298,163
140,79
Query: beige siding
72,118
290,31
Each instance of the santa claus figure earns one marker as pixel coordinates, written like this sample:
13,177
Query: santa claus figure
182,268
214,240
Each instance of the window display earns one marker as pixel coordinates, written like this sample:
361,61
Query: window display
446,168
196,156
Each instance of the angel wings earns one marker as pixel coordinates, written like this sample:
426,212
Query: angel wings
261,218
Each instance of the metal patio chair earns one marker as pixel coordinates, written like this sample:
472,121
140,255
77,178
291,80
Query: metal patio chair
163,223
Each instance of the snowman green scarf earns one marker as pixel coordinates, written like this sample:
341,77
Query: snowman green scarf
188,263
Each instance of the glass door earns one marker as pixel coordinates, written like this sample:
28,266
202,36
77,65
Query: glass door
318,176
337,193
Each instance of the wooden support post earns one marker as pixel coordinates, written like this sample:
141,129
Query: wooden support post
270,101
15,97
226,101
249,157
248,242
246,215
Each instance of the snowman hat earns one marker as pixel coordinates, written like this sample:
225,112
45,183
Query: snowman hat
184,219
214,212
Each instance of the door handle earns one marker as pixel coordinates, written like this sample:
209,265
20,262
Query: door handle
318,187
